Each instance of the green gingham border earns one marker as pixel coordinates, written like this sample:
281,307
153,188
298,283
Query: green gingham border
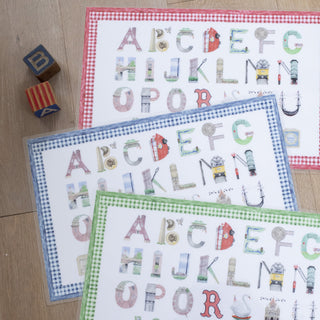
94,257
120,200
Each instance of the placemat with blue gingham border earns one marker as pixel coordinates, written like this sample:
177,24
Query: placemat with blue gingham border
37,146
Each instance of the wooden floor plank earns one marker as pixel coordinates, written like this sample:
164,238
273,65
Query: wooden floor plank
24,25
292,5
23,293
177,2
315,185
304,190
296,5
225,5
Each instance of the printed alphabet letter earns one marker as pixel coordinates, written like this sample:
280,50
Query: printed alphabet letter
132,34
189,302
76,163
209,303
133,294
249,238
140,221
203,100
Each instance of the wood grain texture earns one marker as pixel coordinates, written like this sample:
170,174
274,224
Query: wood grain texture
306,196
315,189
25,25
225,5
23,289
59,26
296,5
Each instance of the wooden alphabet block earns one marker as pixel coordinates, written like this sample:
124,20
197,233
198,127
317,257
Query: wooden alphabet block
41,63
42,99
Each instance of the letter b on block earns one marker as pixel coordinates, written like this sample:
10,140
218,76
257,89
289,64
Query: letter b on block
41,63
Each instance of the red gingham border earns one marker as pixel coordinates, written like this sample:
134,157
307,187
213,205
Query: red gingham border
93,15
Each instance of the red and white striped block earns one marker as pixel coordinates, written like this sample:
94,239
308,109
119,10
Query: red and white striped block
42,99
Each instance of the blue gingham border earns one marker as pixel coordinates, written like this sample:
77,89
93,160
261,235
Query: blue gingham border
38,145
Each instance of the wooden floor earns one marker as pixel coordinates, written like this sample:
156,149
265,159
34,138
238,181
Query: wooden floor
59,25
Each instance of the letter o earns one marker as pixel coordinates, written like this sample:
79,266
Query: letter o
126,304
183,100
175,301
117,97
76,227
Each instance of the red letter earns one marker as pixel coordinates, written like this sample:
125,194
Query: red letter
210,303
202,101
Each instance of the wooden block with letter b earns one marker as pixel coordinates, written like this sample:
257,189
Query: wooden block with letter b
41,63
42,99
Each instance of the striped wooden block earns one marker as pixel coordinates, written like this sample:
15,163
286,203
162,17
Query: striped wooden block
42,99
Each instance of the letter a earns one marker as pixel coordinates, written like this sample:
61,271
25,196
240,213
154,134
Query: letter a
141,222
131,33
76,157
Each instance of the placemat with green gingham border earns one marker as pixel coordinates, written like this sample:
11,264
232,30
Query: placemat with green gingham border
294,234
